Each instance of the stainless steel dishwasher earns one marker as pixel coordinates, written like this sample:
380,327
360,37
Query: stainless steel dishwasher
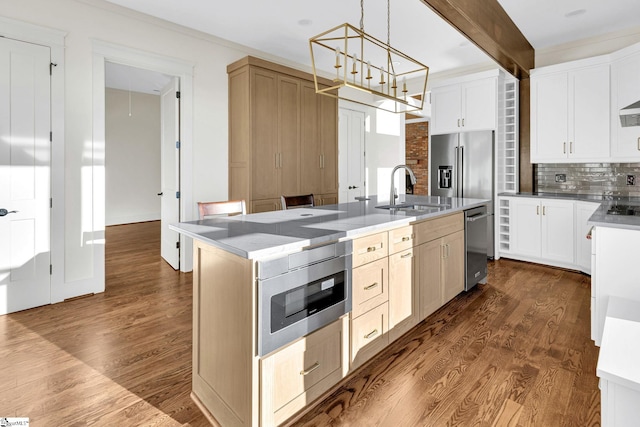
475,242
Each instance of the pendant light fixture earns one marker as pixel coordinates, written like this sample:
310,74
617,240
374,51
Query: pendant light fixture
367,71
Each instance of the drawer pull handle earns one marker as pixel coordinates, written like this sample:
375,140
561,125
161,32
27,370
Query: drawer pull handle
371,248
406,238
407,255
368,288
311,369
371,334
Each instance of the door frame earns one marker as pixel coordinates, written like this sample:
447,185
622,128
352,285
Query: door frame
111,52
54,40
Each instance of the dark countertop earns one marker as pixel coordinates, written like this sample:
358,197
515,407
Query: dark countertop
266,234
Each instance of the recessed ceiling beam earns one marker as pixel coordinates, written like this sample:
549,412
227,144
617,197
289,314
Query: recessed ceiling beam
488,26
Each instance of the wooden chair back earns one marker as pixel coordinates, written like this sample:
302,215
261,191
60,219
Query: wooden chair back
290,202
232,207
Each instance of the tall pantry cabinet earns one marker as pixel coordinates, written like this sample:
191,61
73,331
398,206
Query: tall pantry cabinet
283,137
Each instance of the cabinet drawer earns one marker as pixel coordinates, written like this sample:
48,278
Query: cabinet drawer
369,334
301,372
370,248
401,239
370,286
436,228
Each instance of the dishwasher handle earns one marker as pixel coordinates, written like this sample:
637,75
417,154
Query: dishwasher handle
476,217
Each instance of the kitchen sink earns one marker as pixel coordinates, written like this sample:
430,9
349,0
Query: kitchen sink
431,207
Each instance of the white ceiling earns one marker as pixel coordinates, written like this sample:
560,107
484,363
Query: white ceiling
547,23
283,27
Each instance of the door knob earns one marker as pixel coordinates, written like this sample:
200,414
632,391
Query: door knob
160,194
351,187
4,212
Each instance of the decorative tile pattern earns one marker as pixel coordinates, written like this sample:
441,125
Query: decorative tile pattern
608,179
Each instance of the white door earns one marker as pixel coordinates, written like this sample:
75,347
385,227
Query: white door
24,176
170,172
351,169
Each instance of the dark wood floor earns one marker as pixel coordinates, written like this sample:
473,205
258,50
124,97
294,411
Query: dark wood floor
515,352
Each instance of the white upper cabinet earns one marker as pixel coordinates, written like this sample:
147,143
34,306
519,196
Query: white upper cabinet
625,90
464,107
570,112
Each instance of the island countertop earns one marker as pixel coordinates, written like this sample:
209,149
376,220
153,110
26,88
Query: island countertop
266,234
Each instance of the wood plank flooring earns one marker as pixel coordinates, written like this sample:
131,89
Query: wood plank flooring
121,358
513,352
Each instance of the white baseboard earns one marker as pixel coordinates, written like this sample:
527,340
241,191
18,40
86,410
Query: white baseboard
130,219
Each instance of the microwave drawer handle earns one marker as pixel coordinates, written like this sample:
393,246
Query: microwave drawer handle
371,334
311,369
373,285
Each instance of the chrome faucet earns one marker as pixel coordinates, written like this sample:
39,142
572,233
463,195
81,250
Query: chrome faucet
412,176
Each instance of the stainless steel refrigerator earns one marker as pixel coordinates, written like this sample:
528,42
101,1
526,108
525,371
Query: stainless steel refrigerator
462,165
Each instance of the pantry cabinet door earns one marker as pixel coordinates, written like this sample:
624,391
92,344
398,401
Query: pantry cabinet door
264,100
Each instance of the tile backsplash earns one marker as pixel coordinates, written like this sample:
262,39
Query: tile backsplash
607,179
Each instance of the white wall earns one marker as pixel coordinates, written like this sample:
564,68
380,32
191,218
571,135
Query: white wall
85,21
132,162
384,147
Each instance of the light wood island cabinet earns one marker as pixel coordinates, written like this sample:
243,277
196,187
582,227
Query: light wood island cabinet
403,299
399,277
370,304
283,137
440,261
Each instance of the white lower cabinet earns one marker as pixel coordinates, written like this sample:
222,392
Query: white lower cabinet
543,229
558,232
616,272
547,231
584,210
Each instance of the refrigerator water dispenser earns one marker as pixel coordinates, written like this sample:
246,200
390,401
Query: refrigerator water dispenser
444,176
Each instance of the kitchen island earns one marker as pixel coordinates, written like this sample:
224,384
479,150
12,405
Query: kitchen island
406,263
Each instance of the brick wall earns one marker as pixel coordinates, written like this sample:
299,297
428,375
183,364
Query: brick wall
417,154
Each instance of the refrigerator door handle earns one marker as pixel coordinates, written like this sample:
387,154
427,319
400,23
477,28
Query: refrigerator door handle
461,172
456,170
